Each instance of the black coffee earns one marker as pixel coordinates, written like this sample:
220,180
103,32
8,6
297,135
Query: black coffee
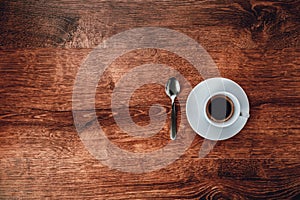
219,108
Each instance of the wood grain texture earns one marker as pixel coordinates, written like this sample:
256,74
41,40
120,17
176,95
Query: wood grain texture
43,43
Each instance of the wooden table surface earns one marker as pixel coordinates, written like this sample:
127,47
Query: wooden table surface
42,45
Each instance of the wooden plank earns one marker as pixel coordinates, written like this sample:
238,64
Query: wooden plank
81,24
48,75
78,175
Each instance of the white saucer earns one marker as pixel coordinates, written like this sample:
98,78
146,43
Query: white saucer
196,104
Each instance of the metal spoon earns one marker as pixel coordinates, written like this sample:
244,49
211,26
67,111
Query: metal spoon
172,90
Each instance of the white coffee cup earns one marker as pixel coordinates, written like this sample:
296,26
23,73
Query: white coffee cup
221,109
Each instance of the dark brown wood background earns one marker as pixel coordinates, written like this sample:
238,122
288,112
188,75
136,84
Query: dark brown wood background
43,43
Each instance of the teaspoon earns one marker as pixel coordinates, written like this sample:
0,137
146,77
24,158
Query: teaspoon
172,90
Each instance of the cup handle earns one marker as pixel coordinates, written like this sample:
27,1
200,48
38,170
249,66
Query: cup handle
245,115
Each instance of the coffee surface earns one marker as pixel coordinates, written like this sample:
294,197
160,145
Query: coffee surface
220,108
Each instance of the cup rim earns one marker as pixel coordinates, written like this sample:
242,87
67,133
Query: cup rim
235,114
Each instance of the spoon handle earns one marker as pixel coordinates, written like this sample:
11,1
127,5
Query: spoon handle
173,122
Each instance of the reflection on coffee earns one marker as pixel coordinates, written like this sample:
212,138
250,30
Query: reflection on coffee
219,108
